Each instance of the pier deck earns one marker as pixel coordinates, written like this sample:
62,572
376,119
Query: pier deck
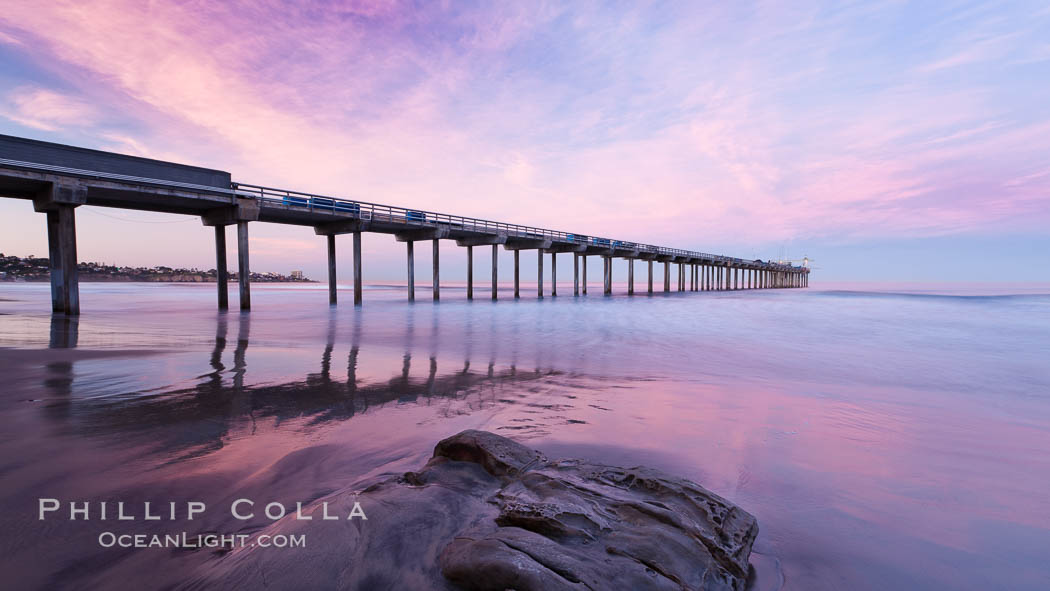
59,178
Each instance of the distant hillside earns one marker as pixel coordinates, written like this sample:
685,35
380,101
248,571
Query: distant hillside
14,268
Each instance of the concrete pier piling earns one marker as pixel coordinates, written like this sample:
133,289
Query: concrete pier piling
411,271
222,276
667,277
608,275
436,272
554,274
470,272
358,288
495,271
575,274
62,260
539,271
650,276
332,296
244,274
630,276
517,273
584,286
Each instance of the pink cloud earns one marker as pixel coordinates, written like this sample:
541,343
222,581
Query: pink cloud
44,109
367,100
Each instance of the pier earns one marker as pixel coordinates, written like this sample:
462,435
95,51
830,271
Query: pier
59,178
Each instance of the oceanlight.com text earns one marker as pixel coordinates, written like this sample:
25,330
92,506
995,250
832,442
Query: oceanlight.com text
188,541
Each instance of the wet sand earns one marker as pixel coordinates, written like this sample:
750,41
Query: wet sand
926,477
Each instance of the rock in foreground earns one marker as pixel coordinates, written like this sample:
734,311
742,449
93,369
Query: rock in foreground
488,513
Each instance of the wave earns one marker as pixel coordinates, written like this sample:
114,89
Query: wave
936,296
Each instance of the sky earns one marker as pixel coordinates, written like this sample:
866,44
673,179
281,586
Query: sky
892,141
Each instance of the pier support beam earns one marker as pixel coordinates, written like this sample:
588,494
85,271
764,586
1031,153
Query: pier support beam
650,276
539,273
240,213
495,269
411,271
62,260
608,275
470,272
517,275
667,276
575,274
330,231
437,270
630,276
244,273
554,274
222,276
357,269
331,270
584,257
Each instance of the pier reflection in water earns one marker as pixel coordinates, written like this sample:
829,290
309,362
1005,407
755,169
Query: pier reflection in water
198,419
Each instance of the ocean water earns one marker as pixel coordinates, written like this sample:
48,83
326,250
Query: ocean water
886,437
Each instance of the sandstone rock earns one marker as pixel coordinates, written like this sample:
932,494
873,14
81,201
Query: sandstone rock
487,513
573,525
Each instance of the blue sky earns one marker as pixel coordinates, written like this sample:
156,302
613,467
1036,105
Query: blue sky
885,140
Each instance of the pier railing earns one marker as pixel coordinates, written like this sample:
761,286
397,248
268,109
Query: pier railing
411,217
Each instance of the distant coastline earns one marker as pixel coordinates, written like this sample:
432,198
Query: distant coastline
13,268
